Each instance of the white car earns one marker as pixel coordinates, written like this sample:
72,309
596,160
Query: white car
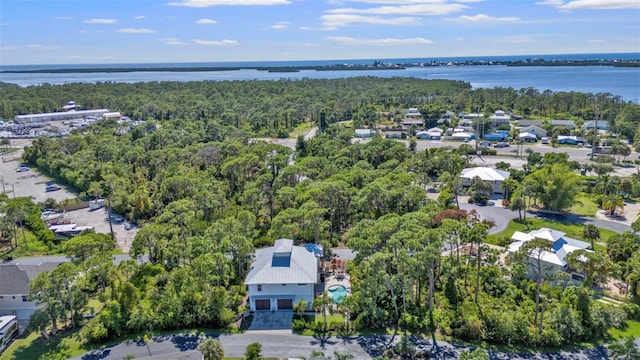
22,169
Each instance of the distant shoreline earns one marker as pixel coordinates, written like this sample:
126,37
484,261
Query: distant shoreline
336,67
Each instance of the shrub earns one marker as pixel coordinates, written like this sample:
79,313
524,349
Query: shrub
489,152
503,241
298,325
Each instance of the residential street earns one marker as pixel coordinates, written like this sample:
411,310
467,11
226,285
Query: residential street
502,216
291,346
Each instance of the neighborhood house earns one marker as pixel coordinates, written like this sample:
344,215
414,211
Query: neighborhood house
14,285
281,276
554,260
493,176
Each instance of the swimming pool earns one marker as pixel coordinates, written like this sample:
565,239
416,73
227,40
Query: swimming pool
338,293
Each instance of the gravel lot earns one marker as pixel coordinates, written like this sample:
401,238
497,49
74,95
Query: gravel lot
28,183
124,231
32,183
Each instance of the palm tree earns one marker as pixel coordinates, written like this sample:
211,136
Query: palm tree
211,349
625,349
613,203
508,185
323,302
591,232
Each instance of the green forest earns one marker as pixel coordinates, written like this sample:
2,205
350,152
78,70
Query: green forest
206,197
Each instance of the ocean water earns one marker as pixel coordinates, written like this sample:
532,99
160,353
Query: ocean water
618,81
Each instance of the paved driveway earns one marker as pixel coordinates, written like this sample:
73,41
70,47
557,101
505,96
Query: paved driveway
271,320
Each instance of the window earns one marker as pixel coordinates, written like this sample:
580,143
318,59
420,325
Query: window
13,297
284,284
259,287
24,298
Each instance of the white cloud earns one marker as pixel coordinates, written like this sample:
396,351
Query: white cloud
551,2
592,4
136,31
333,21
42,47
101,21
282,25
515,39
206,21
174,41
379,42
209,3
405,2
310,44
224,42
304,28
482,18
77,57
140,17
414,10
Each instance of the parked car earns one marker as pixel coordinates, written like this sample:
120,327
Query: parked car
22,169
501,145
53,187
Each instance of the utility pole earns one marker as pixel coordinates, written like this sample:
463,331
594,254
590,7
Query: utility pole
595,130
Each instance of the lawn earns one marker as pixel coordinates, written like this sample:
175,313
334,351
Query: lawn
34,246
586,207
632,329
301,129
32,346
572,230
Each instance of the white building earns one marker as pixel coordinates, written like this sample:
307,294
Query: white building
527,137
60,116
494,176
281,276
431,134
412,113
364,133
499,118
538,131
554,260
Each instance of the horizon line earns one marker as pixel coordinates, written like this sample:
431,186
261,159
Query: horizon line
322,60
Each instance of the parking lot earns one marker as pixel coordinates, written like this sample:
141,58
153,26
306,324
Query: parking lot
29,182
32,183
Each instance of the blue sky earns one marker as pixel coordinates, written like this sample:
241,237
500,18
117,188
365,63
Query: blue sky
139,31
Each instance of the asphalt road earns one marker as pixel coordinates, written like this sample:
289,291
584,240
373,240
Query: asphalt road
502,216
292,346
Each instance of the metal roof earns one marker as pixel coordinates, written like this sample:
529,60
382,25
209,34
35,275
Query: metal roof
302,269
485,173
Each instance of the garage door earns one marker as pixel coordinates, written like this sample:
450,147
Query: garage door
263,304
285,304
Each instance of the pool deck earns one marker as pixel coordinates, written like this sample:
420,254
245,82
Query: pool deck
338,279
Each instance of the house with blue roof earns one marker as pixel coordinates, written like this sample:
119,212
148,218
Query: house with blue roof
282,275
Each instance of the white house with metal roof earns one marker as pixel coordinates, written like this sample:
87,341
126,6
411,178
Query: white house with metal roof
281,276
500,117
554,260
490,175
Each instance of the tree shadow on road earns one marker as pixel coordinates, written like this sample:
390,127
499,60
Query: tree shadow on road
322,339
